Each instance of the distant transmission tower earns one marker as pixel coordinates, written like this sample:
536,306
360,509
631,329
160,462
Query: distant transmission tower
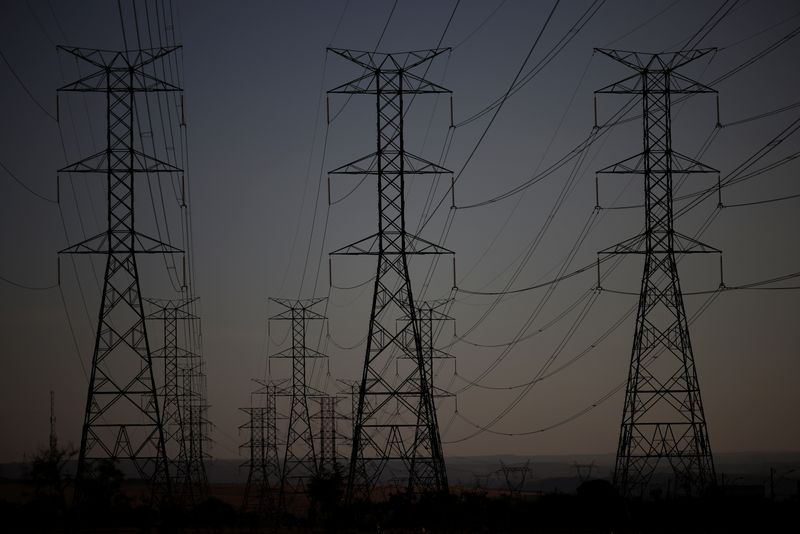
390,412
663,417
264,472
329,458
122,422
429,313
196,425
176,407
300,461
584,471
515,476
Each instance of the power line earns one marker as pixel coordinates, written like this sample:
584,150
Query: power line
72,334
758,202
173,270
709,25
642,24
554,51
25,186
25,87
617,119
26,286
485,131
487,428
715,292
479,26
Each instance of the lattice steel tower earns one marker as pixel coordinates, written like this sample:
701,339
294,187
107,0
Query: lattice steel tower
264,472
188,480
122,422
329,458
300,461
429,313
663,418
390,412
196,424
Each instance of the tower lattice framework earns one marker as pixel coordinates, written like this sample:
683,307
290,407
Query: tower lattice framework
396,417
300,460
178,402
429,313
264,471
329,456
122,421
663,419
196,425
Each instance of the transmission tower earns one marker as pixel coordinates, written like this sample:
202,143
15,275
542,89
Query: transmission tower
329,458
429,313
663,417
383,435
264,472
584,471
196,425
515,476
122,422
300,461
177,396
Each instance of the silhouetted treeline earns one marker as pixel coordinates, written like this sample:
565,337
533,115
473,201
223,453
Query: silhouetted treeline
111,504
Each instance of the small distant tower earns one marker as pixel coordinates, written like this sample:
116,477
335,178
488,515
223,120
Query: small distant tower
515,476
300,461
176,402
329,457
584,471
264,471
53,442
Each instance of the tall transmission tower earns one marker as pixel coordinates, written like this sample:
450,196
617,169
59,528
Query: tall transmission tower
122,422
663,418
300,461
176,407
383,434
264,472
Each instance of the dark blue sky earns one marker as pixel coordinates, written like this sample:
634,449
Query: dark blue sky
255,74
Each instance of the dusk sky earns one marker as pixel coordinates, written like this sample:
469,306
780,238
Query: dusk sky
255,76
